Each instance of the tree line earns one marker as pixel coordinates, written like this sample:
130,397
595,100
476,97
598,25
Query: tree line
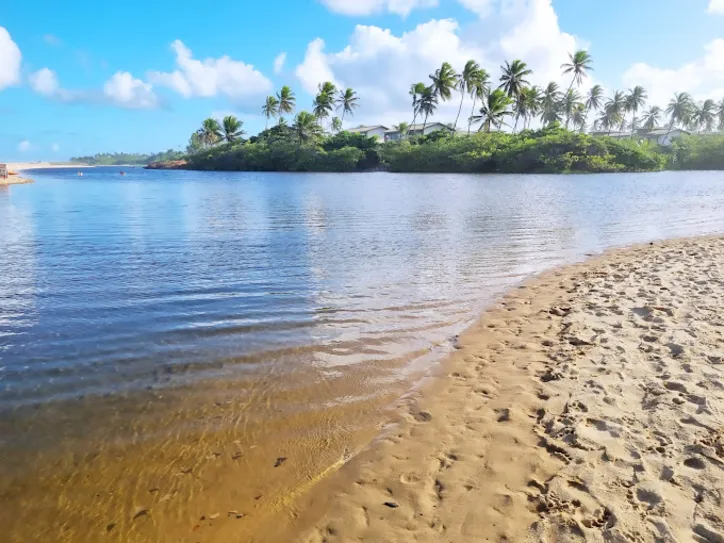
115,159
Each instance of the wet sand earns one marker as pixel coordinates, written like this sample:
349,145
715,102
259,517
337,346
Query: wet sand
588,405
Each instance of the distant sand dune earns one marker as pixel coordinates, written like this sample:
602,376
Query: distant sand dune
587,406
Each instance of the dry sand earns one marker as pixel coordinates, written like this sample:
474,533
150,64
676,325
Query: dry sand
18,166
588,405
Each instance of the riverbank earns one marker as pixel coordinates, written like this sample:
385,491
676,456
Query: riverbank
587,405
14,179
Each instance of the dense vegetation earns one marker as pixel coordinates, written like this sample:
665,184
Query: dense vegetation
114,159
551,150
561,145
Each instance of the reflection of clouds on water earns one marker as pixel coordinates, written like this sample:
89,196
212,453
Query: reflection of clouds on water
18,281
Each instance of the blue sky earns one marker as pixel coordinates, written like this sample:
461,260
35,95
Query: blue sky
77,78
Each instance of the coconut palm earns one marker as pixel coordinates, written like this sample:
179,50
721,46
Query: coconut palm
514,78
444,81
466,82
324,102
428,104
493,111
347,102
635,100
232,128
570,103
579,65
287,102
402,128
305,127
679,110
416,91
705,115
606,120
336,124
525,105
328,88
210,132
550,110
579,116
533,104
720,115
479,90
270,109
615,107
594,99
651,118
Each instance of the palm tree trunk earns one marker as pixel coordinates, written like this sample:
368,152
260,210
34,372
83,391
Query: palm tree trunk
515,126
424,124
462,98
472,112
343,112
414,118
266,123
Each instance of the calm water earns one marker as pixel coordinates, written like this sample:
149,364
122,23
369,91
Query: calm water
112,286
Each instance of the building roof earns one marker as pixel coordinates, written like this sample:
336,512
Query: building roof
365,129
419,126
662,131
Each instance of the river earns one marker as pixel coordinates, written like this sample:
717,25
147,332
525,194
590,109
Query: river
167,337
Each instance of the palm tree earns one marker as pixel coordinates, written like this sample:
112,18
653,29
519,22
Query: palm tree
514,78
550,104
579,116
705,115
428,104
579,65
347,102
651,118
493,111
305,126
720,115
635,99
466,81
402,128
416,91
679,109
232,128
607,120
210,131
479,90
533,104
444,81
336,124
615,109
287,102
270,109
594,100
570,103
324,101
525,105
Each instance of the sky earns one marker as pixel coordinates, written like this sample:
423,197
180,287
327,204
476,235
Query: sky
77,78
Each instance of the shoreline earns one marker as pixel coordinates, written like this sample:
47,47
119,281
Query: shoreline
543,425
20,166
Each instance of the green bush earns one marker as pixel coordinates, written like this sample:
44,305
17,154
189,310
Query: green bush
702,152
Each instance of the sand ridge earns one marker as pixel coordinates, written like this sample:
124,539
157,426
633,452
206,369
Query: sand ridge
588,405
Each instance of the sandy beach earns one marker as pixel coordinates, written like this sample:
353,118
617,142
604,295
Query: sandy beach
19,166
587,405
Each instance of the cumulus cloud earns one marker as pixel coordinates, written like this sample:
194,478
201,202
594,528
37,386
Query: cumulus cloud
382,65
126,91
211,76
24,146
716,6
279,63
703,77
9,60
44,82
368,7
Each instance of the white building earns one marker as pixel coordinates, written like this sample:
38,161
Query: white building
377,131
659,136
417,130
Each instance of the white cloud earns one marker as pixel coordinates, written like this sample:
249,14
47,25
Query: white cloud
44,82
381,65
482,7
24,146
702,77
9,60
279,63
716,6
368,7
55,147
125,91
211,76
